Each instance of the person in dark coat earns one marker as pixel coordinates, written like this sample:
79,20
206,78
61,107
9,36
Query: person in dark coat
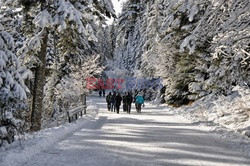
129,102
124,101
103,92
112,101
108,100
100,93
118,100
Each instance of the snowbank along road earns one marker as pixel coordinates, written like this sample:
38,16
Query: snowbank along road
155,137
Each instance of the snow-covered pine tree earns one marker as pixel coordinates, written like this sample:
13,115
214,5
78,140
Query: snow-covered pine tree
67,93
83,46
225,31
149,56
187,43
106,40
75,24
128,36
181,17
12,87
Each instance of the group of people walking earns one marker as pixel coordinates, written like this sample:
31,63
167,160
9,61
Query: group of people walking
114,102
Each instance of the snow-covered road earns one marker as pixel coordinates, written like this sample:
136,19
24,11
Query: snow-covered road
155,137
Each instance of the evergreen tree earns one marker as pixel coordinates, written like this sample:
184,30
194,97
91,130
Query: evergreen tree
74,23
187,44
12,87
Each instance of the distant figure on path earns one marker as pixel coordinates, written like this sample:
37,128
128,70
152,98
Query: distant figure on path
124,101
100,93
113,102
103,92
129,102
108,100
118,100
139,100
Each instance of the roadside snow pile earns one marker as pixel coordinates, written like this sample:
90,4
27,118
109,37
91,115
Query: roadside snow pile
42,140
231,112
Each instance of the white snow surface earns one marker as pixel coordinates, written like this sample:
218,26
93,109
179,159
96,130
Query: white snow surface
23,150
155,137
225,112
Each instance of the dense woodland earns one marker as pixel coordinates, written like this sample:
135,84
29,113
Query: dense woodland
47,50
197,47
49,47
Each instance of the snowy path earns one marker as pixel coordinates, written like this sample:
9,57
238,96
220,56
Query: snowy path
156,137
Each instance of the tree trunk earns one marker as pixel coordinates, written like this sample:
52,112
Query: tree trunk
38,91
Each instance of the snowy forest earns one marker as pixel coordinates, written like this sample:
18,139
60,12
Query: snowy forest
199,49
